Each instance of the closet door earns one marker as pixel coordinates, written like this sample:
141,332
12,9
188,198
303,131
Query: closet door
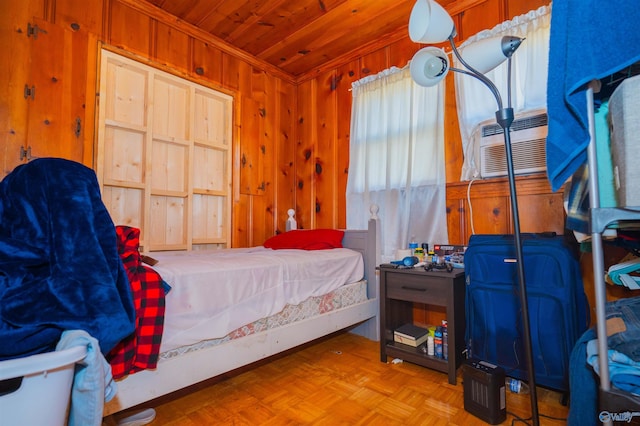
211,171
42,91
164,156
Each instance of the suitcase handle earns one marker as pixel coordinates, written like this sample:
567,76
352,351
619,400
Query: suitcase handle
548,234
525,235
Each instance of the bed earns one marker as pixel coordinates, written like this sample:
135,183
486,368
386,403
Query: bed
65,266
215,341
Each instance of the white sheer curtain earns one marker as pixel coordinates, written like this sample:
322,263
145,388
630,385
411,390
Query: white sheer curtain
397,160
529,79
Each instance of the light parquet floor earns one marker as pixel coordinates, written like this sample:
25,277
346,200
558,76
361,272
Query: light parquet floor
340,381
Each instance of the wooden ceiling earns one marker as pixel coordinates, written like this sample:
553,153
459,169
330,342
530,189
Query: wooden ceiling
299,36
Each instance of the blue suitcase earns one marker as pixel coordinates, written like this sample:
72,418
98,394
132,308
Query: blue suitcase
558,307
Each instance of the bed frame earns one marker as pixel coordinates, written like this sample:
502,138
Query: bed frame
193,367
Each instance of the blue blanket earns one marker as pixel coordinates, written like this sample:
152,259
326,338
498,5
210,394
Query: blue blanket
589,40
59,265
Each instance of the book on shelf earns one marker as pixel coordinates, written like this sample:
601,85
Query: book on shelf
410,334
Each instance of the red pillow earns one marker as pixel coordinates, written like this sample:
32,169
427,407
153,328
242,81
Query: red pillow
306,239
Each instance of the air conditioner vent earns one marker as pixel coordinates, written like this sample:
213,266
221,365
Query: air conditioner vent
528,146
527,158
537,120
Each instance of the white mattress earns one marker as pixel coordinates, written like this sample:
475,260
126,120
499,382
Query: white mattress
342,297
215,292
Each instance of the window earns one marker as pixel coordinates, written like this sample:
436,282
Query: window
529,79
397,160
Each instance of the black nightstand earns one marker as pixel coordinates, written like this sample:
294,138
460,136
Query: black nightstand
399,289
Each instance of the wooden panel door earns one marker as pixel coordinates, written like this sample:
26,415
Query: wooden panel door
122,141
169,163
210,221
43,104
14,55
164,156
58,77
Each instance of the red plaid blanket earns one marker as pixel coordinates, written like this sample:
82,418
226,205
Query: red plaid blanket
140,350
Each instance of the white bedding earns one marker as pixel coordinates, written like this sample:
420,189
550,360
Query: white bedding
215,292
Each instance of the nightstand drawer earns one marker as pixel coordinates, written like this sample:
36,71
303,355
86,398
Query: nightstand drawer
418,288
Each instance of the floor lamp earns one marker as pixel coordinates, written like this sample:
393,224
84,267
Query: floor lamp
430,23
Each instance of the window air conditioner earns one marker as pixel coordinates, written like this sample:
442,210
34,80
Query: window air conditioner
528,140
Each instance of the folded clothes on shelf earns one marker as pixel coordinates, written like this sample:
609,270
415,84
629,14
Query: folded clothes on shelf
623,341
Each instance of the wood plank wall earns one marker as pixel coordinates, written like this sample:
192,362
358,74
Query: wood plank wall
323,206
291,135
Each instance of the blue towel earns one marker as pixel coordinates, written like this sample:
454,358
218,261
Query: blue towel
589,40
93,383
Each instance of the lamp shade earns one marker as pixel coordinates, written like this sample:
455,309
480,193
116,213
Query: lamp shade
486,54
428,66
429,23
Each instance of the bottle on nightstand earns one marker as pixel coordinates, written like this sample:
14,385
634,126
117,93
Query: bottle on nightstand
413,245
430,346
437,342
